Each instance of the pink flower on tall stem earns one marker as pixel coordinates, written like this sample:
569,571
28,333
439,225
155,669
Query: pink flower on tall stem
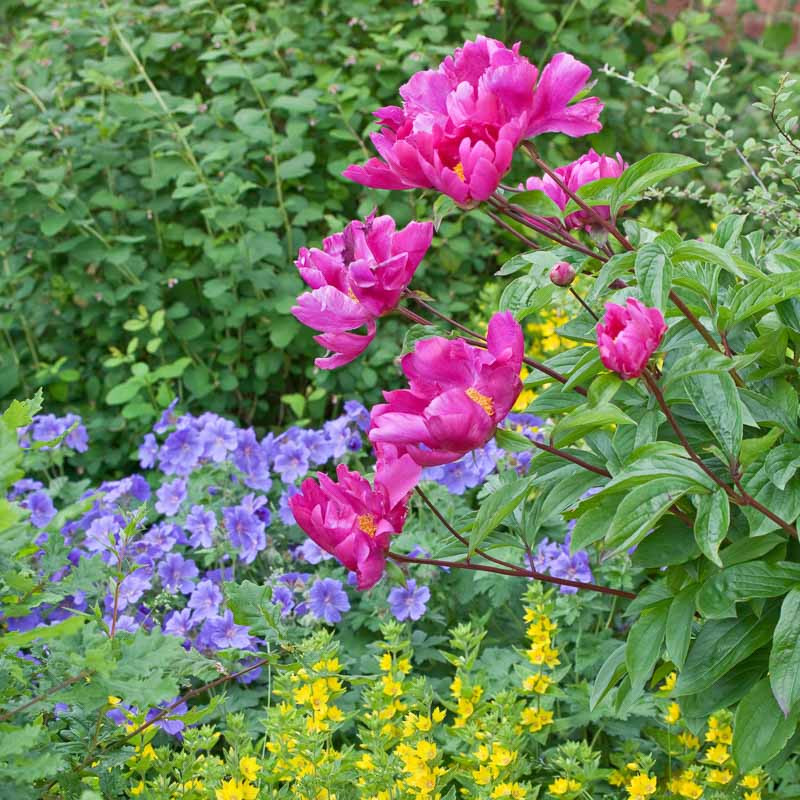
359,275
353,521
628,335
458,393
589,167
460,124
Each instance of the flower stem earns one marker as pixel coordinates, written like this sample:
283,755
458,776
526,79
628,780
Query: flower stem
515,572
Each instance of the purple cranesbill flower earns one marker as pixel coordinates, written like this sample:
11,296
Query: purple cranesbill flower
572,567
167,418
41,508
102,533
251,458
158,540
23,486
310,552
179,623
355,443
181,452
284,511
245,531
327,600
148,451
133,586
358,413
409,601
218,438
222,633
338,432
200,523
25,623
125,622
319,447
294,580
170,497
291,462
177,573
220,576
47,427
205,600
59,709
171,722
282,596
78,437
352,578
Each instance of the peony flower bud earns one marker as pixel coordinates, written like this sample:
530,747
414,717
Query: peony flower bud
628,336
562,274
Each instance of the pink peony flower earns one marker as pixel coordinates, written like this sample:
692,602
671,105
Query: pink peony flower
628,336
359,275
459,125
589,167
457,395
353,521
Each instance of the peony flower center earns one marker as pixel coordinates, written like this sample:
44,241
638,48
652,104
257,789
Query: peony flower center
482,400
459,170
352,295
367,524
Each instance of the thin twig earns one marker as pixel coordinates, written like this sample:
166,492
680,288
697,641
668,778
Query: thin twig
515,573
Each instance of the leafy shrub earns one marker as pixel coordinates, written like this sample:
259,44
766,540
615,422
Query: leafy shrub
163,163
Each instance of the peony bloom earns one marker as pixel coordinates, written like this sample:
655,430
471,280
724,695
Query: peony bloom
359,275
460,124
589,167
628,336
353,521
457,395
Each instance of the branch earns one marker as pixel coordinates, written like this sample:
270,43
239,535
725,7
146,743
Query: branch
516,572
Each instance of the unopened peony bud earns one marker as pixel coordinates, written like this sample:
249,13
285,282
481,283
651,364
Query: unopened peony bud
562,274
628,335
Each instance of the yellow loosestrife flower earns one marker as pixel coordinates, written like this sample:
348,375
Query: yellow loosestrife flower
249,767
720,776
236,790
669,683
673,714
718,754
641,786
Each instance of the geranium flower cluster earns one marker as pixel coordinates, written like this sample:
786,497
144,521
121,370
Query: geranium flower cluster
50,428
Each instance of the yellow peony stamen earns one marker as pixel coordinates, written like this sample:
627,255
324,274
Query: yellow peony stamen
367,524
482,400
459,170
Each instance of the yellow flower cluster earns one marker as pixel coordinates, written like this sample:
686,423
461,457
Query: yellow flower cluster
544,342
300,744
545,339
541,653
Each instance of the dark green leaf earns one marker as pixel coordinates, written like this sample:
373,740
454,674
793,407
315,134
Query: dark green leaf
643,648
679,624
645,174
711,523
720,646
715,398
760,729
784,658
